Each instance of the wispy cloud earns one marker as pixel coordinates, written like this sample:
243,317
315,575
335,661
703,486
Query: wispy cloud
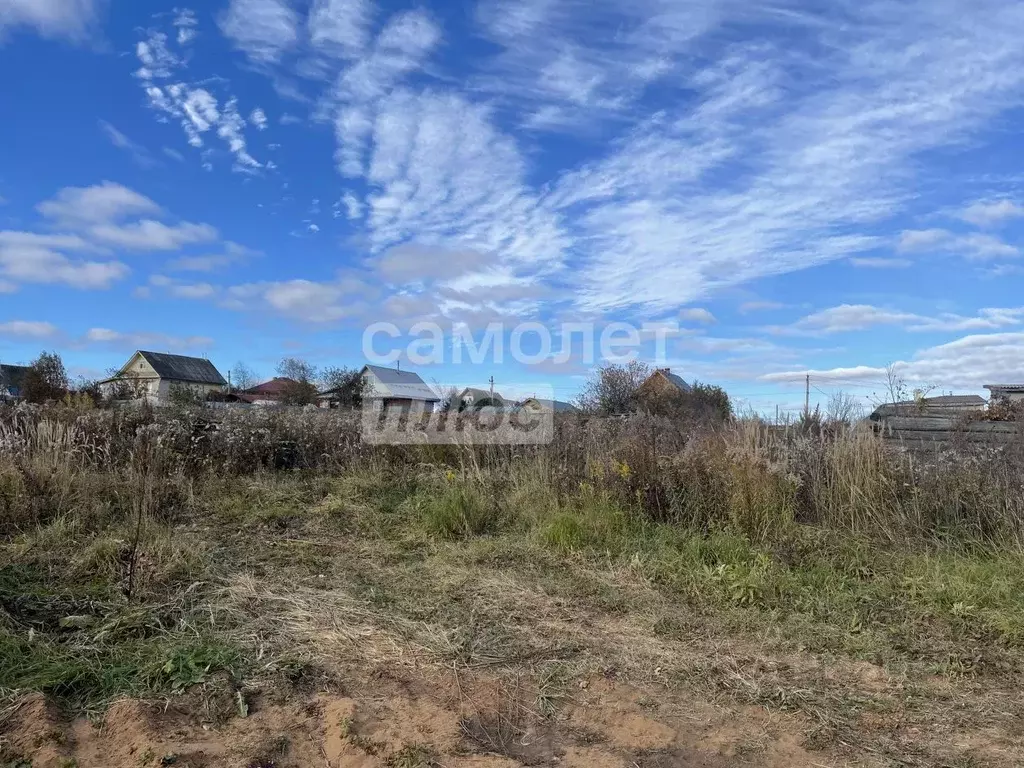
197,110
262,29
877,262
30,329
989,212
858,317
139,154
72,19
965,363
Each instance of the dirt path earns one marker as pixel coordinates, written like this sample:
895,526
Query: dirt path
456,722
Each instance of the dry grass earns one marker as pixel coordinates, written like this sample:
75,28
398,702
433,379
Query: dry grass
821,575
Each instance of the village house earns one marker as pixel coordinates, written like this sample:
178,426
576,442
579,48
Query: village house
388,389
471,398
273,392
12,379
155,376
940,405
662,382
541,405
1009,392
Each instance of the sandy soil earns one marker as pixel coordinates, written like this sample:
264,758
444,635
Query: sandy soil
454,721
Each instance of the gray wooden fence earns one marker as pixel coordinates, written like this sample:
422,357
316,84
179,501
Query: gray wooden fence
935,432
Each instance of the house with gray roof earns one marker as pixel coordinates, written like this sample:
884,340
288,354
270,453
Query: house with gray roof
155,376
472,398
543,405
387,389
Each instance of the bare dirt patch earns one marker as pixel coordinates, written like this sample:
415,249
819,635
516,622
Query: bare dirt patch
607,726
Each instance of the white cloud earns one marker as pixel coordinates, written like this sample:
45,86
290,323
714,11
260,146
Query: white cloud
923,239
195,107
50,18
287,119
313,228
966,363
974,245
400,49
258,118
156,57
349,206
231,129
859,317
697,315
986,213
262,29
173,154
185,22
871,262
149,235
980,246
340,26
144,340
32,329
103,202
25,258
303,300
805,173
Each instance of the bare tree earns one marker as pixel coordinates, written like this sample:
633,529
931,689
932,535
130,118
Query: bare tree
243,377
345,385
302,389
843,408
612,388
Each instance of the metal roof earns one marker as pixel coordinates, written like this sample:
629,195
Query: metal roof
197,370
278,385
954,400
480,394
399,384
1006,387
558,406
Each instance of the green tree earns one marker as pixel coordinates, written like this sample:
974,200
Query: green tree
45,379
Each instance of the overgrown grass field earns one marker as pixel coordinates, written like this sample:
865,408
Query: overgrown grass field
143,554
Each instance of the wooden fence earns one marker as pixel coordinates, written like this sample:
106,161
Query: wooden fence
934,432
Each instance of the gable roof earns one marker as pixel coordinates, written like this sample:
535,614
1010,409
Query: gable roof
558,406
196,370
392,382
480,394
672,378
277,386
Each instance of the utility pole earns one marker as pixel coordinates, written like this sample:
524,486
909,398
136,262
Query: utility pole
776,414
492,387
807,395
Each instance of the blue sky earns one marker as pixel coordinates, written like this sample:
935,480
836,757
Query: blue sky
801,186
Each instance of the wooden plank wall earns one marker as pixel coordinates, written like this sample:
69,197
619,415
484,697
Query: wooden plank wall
934,432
